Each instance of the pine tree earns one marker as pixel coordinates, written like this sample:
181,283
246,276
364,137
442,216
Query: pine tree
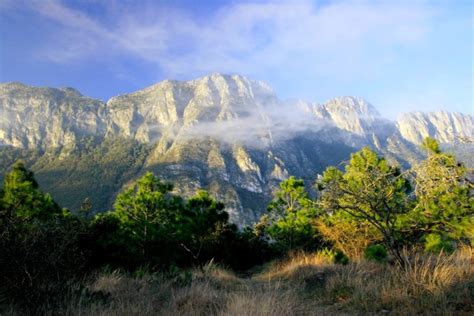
369,190
22,199
146,212
444,209
290,217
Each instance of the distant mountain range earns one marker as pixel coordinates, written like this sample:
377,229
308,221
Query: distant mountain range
227,134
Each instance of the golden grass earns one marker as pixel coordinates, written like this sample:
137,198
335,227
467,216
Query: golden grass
211,291
296,266
430,284
304,284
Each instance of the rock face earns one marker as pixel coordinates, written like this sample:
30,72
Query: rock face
227,134
444,126
173,108
43,117
349,114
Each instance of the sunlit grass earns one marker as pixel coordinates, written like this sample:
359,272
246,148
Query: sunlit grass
303,284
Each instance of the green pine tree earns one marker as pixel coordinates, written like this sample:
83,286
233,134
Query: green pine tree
22,199
146,213
369,190
444,211
290,217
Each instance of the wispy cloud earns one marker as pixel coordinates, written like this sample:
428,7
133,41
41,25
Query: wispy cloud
250,38
259,128
401,55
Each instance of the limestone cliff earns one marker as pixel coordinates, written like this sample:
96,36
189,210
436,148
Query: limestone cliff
227,134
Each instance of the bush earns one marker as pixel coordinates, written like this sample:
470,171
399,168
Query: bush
349,235
376,252
333,256
43,247
436,243
341,258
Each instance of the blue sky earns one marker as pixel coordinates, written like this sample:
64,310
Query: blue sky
399,55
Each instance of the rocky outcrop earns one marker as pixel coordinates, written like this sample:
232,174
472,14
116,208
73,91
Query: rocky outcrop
233,109
46,117
349,114
444,126
227,134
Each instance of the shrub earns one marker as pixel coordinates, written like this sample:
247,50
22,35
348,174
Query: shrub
376,252
349,235
437,243
42,246
341,258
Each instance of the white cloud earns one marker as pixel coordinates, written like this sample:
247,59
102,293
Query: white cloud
260,128
249,38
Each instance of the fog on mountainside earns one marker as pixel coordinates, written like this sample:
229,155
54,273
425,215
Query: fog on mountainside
228,134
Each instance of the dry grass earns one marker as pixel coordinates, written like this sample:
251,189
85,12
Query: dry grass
429,285
210,291
296,266
305,284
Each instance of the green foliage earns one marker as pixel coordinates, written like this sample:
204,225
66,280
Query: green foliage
152,228
10,155
22,199
376,252
341,258
369,190
41,245
334,256
431,145
437,243
444,203
290,218
151,225
206,226
95,168
45,247
146,213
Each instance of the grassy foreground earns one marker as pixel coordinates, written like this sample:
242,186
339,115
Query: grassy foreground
305,284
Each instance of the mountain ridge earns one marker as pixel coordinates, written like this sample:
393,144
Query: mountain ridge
225,133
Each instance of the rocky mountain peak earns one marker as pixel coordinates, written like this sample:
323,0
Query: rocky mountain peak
174,107
38,117
12,85
352,105
71,92
225,133
147,114
348,113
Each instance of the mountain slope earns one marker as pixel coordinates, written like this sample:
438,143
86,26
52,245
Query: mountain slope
445,127
228,134
44,117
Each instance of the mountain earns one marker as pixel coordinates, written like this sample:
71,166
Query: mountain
227,134
350,114
40,118
445,127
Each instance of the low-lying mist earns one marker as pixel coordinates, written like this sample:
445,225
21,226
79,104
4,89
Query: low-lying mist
259,129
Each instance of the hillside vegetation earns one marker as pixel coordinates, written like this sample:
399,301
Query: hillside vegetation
374,240
304,284
227,134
